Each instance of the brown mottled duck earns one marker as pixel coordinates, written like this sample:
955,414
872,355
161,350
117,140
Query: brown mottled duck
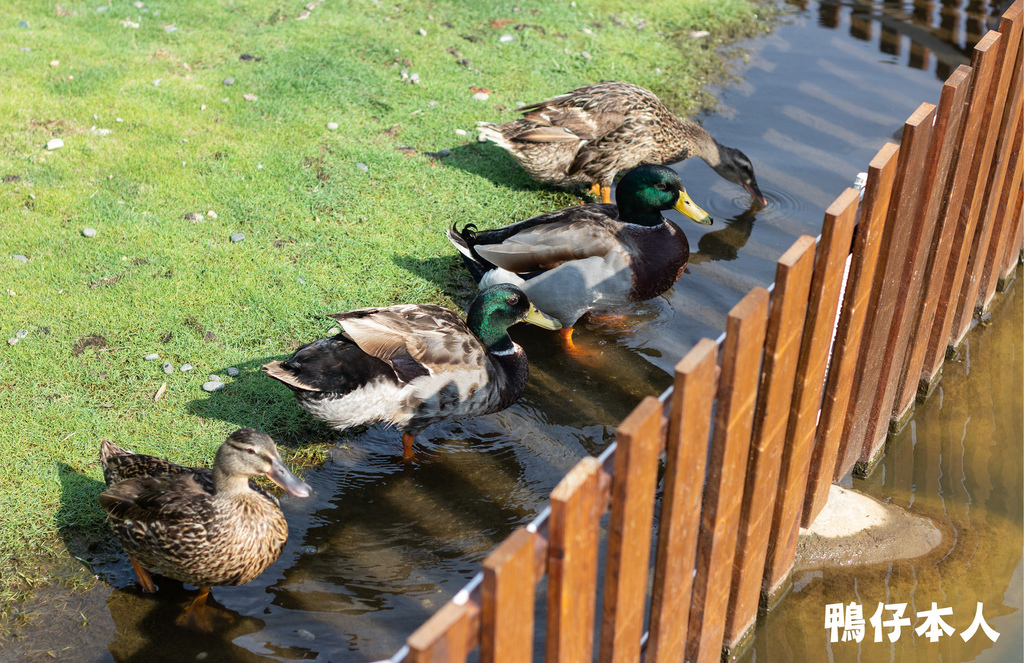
196,525
585,136
590,256
412,365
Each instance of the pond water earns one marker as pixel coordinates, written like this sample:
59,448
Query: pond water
380,546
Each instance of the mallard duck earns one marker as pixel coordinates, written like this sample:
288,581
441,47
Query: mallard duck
199,526
585,136
590,256
413,365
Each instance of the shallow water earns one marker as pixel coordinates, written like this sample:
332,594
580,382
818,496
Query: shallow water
380,546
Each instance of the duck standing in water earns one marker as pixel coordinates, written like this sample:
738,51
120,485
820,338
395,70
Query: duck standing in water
196,525
590,256
414,365
585,136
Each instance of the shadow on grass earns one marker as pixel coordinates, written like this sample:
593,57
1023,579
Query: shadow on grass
80,521
490,161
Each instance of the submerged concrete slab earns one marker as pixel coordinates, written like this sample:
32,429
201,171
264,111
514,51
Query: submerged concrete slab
856,529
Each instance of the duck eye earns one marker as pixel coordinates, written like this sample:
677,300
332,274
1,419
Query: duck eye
514,299
661,186
250,451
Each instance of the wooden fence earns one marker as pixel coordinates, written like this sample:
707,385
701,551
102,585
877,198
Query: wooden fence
804,386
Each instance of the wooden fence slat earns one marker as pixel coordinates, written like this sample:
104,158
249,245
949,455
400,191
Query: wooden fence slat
863,430
629,532
787,312
827,457
577,503
983,63
1009,26
981,171
508,596
444,638
727,465
948,135
822,305
1010,208
689,428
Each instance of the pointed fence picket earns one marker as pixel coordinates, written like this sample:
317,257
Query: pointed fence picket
802,388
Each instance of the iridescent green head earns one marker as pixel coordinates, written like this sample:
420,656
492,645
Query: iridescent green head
499,307
648,190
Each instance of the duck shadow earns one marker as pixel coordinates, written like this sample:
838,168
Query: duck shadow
80,522
489,161
446,272
725,244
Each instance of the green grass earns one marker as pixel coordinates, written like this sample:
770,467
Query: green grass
321,235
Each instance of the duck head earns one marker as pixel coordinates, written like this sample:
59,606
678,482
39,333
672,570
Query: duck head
499,307
648,190
248,452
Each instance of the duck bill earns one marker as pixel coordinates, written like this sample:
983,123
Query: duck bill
689,209
755,192
280,475
535,317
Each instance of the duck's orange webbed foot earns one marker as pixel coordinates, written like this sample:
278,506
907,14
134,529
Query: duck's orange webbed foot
408,455
198,616
143,575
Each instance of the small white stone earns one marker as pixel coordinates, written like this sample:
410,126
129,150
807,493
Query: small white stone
88,232
117,119
12,341
585,54
414,79
481,96
212,386
232,371
505,38
697,34
21,333
20,258
461,132
332,126
185,368
203,107
422,32
362,166
168,368
588,31
151,357
55,144
157,81
211,214
237,237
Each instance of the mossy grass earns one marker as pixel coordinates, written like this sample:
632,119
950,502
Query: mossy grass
152,134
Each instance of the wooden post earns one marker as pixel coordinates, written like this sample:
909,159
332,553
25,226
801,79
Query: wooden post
727,465
444,638
689,427
975,199
782,352
826,284
983,63
629,532
867,418
1009,207
506,633
947,136
827,457
1010,28
577,503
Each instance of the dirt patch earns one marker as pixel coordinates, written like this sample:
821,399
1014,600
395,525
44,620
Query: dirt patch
90,341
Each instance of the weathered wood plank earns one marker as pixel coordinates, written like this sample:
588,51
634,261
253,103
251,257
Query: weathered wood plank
1010,26
577,503
1010,206
444,638
828,452
948,136
788,310
506,634
914,312
689,428
727,465
867,420
983,62
629,532
981,172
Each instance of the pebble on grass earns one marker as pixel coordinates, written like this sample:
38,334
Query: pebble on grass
151,357
21,333
481,96
19,257
505,38
194,217
168,368
332,126
55,144
237,237
185,368
229,81
362,166
88,232
212,386
233,372
12,341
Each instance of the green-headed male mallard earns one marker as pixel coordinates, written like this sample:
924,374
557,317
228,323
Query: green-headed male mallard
414,365
585,136
199,526
590,256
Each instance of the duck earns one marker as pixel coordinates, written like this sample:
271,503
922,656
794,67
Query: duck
198,525
587,135
413,365
591,256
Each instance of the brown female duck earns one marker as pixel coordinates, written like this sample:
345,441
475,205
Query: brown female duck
585,136
199,526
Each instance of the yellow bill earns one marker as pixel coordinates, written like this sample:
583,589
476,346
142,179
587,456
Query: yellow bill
543,320
688,208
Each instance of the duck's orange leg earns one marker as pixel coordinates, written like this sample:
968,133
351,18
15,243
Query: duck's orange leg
407,453
595,189
606,194
194,616
566,334
143,575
